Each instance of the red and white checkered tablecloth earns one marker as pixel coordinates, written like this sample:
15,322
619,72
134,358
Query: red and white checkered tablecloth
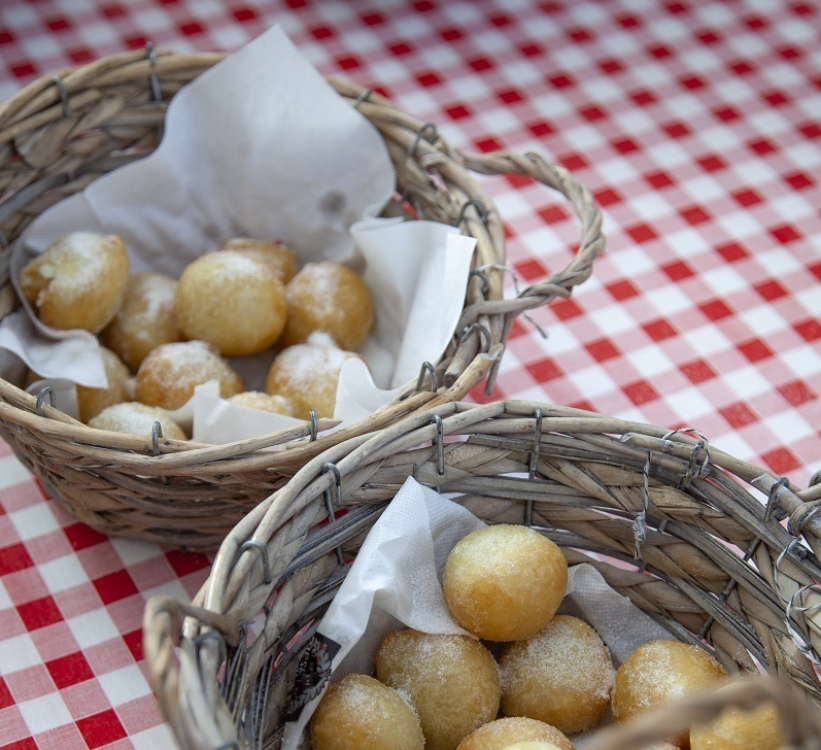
697,125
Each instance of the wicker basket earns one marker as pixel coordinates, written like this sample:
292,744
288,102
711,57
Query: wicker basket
61,132
691,535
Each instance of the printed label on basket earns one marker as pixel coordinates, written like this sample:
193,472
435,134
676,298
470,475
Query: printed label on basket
313,673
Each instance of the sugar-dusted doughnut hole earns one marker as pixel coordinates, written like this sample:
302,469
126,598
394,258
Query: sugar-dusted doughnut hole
169,374
658,673
361,713
331,298
145,320
504,582
501,733
231,300
735,729
137,419
561,675
451,680
79,281
307,375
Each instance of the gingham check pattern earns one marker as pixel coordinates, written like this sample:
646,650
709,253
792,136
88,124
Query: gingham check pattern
696,123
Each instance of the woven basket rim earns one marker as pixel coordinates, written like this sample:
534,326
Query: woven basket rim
712,519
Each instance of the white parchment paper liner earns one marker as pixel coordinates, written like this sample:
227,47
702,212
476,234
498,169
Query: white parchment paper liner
260,145
395,582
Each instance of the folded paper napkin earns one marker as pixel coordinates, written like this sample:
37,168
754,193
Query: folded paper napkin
260,145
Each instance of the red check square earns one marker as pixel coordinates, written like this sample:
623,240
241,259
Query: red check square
101,729
39,613
115,586
69,670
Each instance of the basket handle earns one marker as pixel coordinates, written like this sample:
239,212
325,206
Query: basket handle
559,284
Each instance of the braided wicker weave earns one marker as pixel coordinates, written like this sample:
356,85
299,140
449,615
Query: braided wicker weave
61,132
691,535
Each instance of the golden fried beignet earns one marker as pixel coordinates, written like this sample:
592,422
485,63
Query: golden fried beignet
451,680
361,713
79,281
504,582
170,373
331,298
231,300
276,254
145,320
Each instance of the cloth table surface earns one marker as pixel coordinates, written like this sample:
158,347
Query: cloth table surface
695,123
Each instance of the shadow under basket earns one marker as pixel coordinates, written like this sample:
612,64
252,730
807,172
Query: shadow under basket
62,132
721,553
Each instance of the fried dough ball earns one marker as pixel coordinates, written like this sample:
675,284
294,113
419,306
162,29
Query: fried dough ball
276,254
263,402
361,713
504,582
170,373
561,675
328,297
501,733
536,745
91,401
145,320
231,300
451,680
307,375
735,729
660,672
137,419
79,281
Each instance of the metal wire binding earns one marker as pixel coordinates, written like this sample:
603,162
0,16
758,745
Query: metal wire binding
235,673
485,335
328,466
61,87
801,640
429,368
693,469
795,527
41,397
534,462
329,505
314,427
363,97
154,85
485,288
778,485
640,521
263,550
212,635
478,205
728,588
420,134
153,79
156,434
255,718
440,444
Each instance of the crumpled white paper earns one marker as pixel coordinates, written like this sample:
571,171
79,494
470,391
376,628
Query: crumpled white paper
395,582
261,146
